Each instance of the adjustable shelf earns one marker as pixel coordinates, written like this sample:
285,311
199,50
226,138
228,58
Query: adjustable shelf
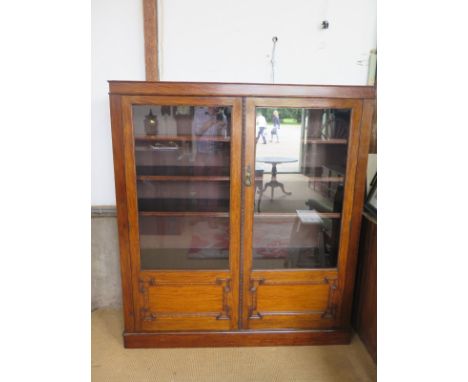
293,215
185,214
188,178
326,179
331,141
180,138
188,170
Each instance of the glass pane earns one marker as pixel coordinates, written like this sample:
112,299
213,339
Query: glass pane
182,156
300,167
168,242
183,196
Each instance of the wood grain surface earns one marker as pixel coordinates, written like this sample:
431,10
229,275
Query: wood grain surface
238,306
239,90
150,25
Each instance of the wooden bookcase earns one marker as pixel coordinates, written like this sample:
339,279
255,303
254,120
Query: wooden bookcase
224,240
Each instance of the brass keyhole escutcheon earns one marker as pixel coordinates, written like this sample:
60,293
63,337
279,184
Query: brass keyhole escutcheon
248,176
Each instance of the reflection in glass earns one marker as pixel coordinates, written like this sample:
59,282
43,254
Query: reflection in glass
180,196
182,156
300,171
168,242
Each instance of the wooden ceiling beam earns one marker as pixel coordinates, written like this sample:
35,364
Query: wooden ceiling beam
150,21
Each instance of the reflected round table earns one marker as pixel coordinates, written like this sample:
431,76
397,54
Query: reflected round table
273,183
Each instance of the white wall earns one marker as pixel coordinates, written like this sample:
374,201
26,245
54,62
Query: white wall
226,41
213,40
118,53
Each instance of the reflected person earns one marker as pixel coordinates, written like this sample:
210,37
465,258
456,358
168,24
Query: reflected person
208,121
276,126
210,156
261,124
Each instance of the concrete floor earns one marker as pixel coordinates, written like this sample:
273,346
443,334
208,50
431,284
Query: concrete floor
112,362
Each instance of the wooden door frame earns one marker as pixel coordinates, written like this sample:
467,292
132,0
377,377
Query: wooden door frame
352,206
137,274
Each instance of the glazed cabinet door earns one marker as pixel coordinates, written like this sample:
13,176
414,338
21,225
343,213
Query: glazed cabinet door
301,157
183,170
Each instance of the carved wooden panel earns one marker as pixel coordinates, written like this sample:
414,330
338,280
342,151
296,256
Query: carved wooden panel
253,312
293,303
185,304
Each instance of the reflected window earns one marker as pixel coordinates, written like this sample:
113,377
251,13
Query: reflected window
300,170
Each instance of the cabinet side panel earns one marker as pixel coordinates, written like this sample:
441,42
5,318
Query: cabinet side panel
348,263
365,305
122,212
128,150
